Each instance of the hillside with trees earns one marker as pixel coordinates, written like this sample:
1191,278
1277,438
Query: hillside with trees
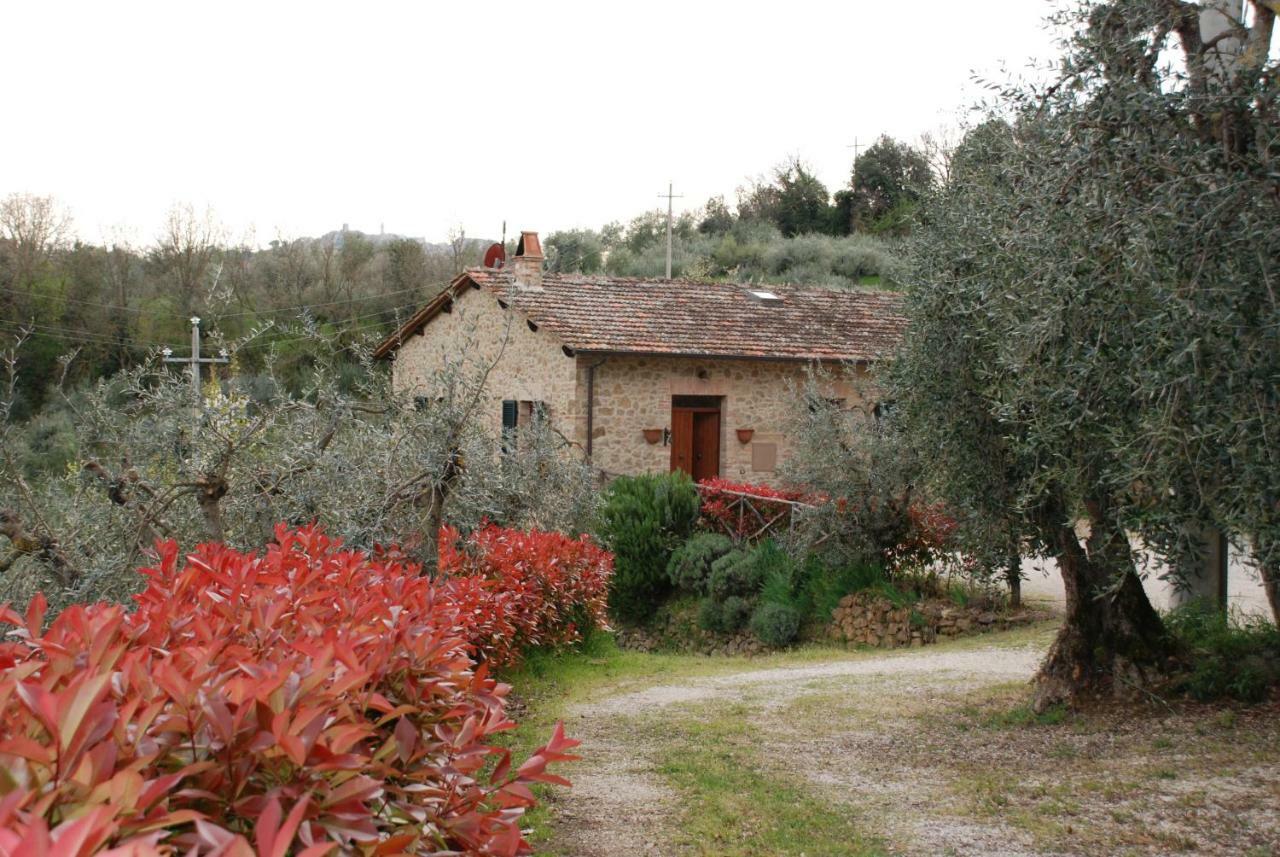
113,303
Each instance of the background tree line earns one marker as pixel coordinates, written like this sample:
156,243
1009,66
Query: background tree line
115,302
784,227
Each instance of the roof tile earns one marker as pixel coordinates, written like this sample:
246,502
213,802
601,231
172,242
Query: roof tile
692,318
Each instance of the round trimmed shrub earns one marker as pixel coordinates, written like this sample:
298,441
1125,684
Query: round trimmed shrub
710,615
735,573
690,566
723,617
734,613
775,624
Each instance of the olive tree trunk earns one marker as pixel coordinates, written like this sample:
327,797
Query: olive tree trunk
1013,575
1112,641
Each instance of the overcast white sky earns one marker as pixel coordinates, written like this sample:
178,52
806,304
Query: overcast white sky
293,118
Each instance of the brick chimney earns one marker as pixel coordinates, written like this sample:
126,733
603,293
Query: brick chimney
527,264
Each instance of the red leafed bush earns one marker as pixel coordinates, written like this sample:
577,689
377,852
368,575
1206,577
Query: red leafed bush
719,510
926,539
547,587
305,700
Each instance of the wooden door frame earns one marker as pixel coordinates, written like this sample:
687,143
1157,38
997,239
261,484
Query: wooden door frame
702,408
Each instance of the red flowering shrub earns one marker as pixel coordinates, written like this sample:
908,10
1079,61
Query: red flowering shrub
300,701
718,505
548,587
927,537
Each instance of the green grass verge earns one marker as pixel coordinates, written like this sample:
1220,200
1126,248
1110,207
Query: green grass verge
732,804
549,684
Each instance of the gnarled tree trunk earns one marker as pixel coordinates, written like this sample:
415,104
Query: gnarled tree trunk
1013,575
1271,585
1112,641
1267,554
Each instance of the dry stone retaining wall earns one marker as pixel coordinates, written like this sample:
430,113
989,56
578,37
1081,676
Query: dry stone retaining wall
868,619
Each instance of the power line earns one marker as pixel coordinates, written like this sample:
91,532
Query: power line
215,313
94,304
129,342
301,307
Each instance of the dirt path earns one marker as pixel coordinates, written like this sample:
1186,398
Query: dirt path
932,752
619,806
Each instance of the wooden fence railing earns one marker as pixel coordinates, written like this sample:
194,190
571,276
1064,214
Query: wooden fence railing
756,516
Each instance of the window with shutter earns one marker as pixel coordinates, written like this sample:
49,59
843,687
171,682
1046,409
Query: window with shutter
510,419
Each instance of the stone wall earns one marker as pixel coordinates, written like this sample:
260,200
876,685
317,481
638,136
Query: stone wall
689,642
635,393
631,393
868,619
533,367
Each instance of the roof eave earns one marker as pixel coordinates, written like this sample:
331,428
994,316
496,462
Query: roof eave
701,355
422,317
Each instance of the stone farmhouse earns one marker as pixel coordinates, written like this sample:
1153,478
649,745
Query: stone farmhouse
649,375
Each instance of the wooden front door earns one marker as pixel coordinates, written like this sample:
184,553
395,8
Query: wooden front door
695,436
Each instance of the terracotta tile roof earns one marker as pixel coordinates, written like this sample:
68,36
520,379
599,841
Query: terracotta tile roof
604,314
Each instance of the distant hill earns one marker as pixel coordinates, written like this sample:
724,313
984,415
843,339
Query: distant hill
379,239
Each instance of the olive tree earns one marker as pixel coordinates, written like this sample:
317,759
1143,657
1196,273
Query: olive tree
374,465
1094,346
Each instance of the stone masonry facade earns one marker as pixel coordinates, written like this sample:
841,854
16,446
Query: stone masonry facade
632,393
531,365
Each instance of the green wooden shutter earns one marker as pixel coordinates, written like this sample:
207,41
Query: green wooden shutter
510,419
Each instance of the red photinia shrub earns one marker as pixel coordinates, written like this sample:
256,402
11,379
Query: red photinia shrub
928,534
718,505
301,701
525,589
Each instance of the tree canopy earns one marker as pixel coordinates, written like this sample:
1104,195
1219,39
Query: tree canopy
1095,336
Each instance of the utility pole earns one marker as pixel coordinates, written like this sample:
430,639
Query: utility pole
855,148
195,359
669,197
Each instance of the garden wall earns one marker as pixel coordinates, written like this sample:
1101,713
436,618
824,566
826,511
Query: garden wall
870,619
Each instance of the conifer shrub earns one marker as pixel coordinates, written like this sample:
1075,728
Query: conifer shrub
724,617
307,699
711,615
643,519
735,612
775,624
690,566
735,573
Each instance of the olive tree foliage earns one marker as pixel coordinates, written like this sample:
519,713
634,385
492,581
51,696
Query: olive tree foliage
854,454
372,464
1095,333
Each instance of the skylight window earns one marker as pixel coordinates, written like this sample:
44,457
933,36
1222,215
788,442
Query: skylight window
763,296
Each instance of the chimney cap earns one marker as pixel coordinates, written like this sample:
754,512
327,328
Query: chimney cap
529,246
